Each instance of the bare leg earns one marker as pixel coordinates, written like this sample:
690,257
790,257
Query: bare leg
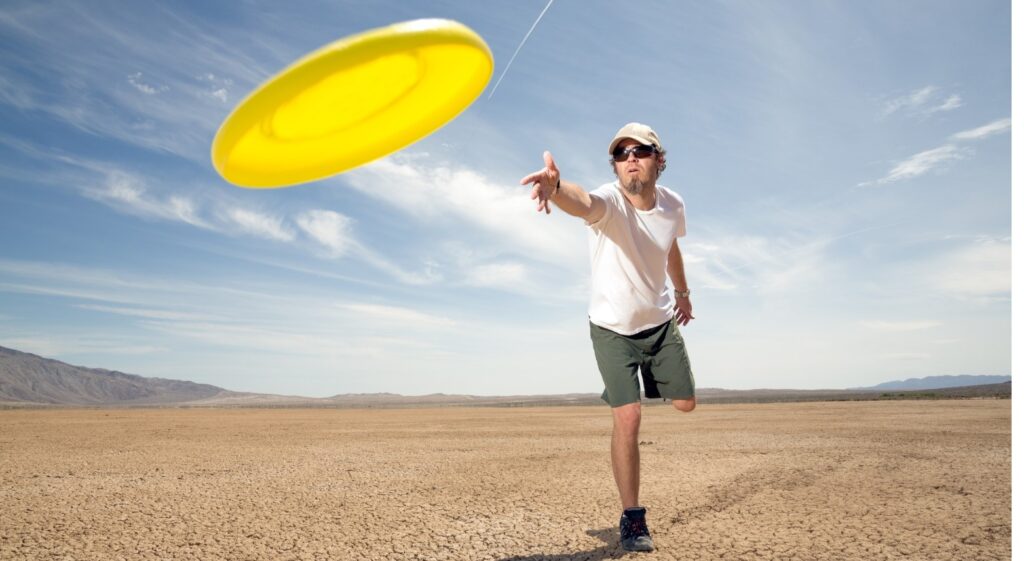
626,453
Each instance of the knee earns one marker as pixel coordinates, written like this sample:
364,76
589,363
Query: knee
627,417
685,405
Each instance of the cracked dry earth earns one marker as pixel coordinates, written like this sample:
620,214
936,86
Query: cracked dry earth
853,480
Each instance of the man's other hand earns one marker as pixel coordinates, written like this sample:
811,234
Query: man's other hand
684,310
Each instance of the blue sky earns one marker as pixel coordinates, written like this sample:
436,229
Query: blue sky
846,169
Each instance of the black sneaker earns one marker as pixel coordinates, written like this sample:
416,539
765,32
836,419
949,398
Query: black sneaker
633,530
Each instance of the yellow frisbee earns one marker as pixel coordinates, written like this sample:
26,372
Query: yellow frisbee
351,102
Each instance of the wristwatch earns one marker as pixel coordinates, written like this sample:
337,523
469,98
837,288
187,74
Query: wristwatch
683,293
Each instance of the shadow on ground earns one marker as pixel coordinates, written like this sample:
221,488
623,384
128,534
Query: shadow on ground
610,550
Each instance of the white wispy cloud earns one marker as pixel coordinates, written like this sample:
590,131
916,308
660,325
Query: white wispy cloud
147,313
332,230
485,233
900,326
317,326
921,163
406,317
922,102
508,276
952,102
54,345
212,210
264,320
220,86
127,192
76,292
123,289
260,225
733,262
257,337
974,272
503,212
939,158
984,131
428,275
980,270
88,48
136,80
912,100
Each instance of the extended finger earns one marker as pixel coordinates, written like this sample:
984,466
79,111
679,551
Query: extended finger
533,177
549,162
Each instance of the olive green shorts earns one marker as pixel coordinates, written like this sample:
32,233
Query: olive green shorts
658,353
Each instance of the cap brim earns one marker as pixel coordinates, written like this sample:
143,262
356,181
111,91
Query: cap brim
618,139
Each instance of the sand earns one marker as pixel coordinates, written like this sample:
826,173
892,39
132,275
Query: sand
925,480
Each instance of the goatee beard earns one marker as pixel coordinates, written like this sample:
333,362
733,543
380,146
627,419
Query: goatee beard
633,186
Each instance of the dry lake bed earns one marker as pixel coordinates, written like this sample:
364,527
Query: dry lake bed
920,480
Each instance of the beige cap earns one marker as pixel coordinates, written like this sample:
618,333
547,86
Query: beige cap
638,132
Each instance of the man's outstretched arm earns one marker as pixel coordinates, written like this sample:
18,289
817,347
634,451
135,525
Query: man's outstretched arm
571,198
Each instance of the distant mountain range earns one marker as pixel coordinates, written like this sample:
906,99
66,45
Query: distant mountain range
936,382
25,377
30,380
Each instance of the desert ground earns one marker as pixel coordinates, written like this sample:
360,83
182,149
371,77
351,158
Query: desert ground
927,480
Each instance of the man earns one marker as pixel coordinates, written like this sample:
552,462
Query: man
634,223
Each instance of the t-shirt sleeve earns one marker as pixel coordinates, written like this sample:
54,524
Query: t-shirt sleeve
609,208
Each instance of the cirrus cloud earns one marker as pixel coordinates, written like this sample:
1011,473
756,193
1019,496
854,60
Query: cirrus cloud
330,229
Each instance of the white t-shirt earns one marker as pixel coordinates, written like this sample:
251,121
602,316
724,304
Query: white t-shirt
629,258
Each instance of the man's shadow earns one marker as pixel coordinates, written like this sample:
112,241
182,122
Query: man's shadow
610,550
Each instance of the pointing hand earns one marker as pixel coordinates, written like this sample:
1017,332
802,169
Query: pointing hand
544,182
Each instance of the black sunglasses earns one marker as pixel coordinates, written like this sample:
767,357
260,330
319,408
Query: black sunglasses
641,150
